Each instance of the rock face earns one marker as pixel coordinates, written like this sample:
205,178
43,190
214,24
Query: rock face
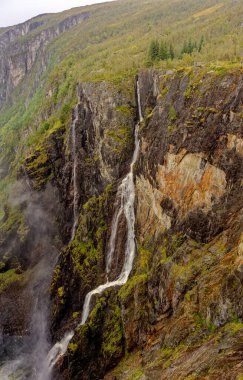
183,303
22,46
103,143
180,314
189,225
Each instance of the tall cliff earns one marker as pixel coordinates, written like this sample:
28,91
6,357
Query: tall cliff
24,46
179,315
67,140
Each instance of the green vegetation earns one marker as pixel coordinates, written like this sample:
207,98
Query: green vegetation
191,46
172,113
112,45
201,323
162,51
8,278
121,136
136,374
234,327
112,333
85,252
140,277
103,330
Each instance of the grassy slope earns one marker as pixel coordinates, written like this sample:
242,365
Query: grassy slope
112,45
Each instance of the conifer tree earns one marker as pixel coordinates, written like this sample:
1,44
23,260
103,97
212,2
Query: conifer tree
190,46
163,51
171,52
184,49
154,50
201,43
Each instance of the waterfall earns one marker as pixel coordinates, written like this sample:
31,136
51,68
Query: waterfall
75,181
29,363
126,196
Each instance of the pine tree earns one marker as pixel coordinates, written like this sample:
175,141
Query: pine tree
184,49
201,43
190,46
154,50
171,52
163,51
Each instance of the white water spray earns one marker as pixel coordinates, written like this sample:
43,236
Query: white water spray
126,193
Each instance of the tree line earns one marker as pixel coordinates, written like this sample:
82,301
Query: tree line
161,50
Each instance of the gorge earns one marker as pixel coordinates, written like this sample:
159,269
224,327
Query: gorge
121,215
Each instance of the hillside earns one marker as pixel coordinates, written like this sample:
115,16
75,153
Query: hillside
121,193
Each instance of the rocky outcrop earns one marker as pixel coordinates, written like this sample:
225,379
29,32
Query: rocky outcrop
185,298
22,46
180,314
104,141
185,295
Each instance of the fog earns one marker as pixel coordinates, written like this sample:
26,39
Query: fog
28,353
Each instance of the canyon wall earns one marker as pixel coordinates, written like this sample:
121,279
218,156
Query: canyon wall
179,315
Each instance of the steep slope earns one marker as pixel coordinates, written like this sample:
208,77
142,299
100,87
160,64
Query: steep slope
109,44
67,140
19,54
181,310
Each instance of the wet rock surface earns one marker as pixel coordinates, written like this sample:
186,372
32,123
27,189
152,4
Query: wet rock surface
180,314
189,221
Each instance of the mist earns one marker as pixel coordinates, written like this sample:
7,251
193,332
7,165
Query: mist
25,355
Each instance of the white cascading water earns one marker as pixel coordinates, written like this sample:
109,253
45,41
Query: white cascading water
126,194
75,181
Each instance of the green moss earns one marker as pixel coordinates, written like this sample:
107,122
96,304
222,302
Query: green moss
220,70
15,222
56,276
8,278
112,333
76,314
164,91
84,256
135,281
72,347
165,351
85,252
140,277
164,258
14,219
60,291
172,113
136,374
171,129
125,110
91,161
202,324
233,327
188,92
121,136
188,297
167,364
148,112
104,329
213,110
166,356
